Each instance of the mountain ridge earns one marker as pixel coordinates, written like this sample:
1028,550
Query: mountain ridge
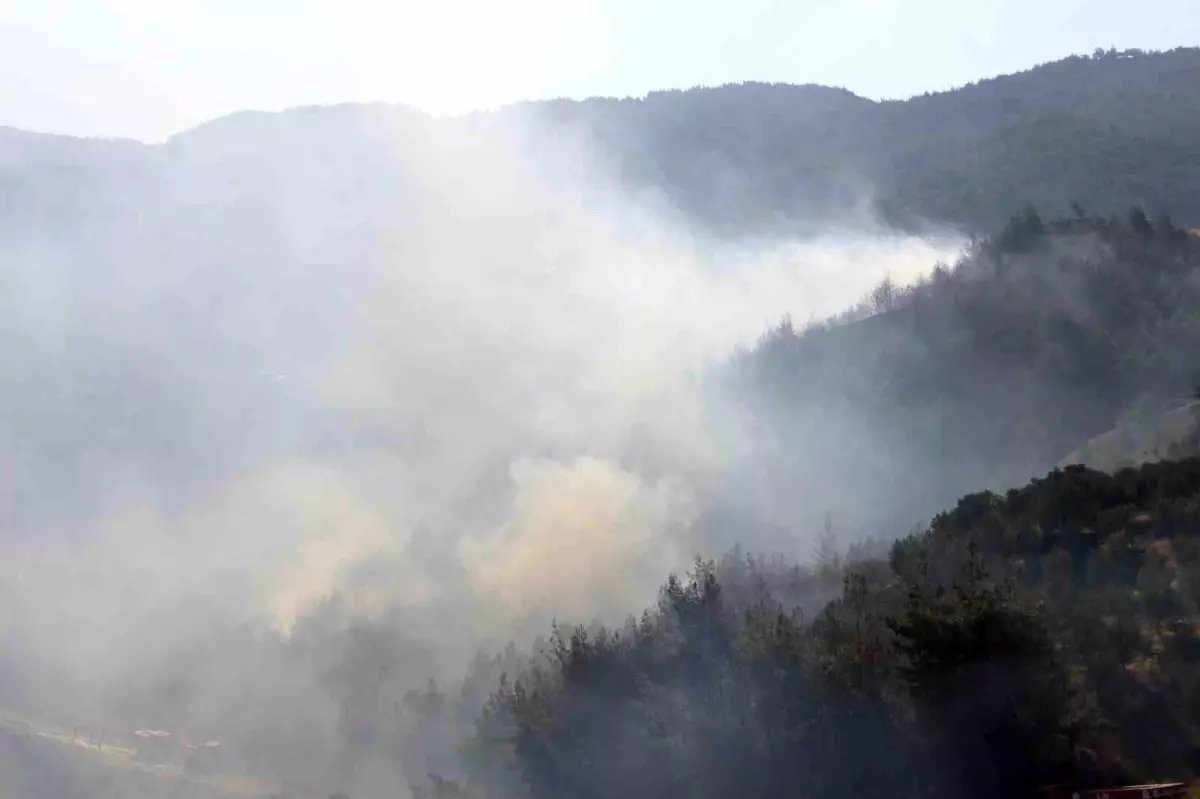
1101,131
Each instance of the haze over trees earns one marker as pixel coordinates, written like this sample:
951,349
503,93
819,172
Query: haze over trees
1045,636
1024,638
991,370
350,436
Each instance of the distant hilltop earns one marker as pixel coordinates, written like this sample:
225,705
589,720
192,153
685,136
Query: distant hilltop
1103,130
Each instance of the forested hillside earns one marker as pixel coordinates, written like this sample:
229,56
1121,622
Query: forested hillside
1104,130
994,369
1045,636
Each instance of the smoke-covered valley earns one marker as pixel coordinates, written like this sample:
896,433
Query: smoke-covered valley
448,379
301,411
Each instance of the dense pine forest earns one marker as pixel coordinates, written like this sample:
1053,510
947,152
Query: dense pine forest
1044,636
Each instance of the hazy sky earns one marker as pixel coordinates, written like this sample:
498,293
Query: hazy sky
149,68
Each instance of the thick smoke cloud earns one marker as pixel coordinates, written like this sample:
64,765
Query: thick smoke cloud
350,363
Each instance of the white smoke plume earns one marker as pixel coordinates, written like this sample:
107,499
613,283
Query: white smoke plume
345,353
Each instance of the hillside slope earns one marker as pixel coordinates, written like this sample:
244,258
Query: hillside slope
1103,131
1040,339
1046,636
1141,437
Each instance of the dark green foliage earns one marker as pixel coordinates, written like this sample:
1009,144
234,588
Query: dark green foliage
992,701
1048,636
1023,232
